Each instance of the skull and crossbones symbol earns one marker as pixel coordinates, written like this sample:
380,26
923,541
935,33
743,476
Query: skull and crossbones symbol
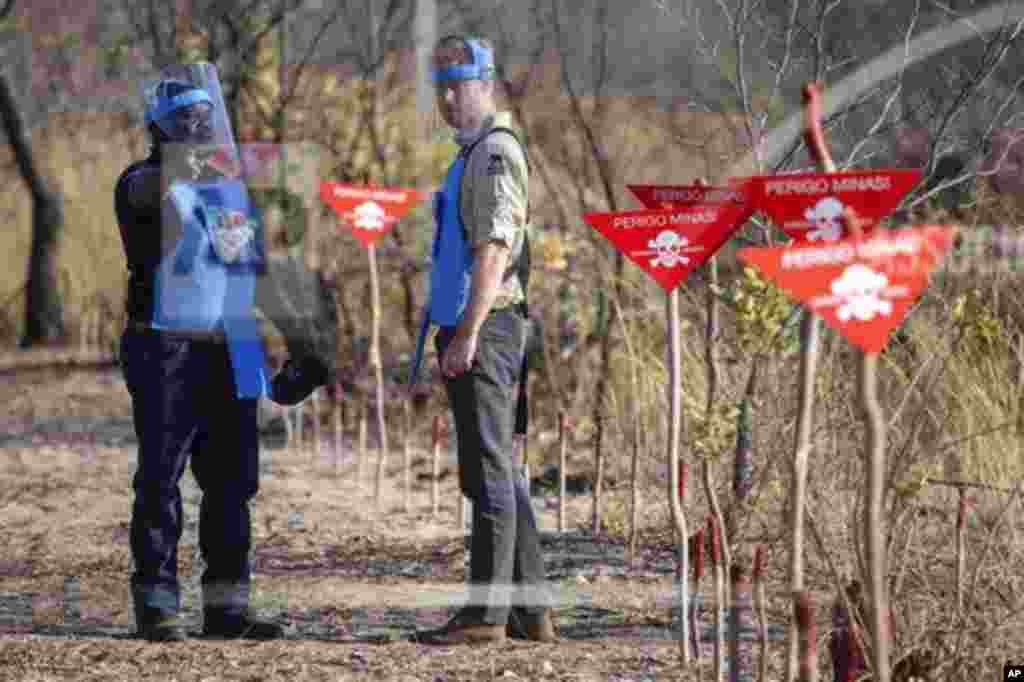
860,294
370,216
668,249
824,219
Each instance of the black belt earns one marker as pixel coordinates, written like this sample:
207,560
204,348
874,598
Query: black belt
216,335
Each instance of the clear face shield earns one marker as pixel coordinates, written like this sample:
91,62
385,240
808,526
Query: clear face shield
185,103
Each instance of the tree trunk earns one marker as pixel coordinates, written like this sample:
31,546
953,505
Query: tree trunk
44,314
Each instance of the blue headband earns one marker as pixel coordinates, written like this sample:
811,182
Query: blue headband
178,101
482,67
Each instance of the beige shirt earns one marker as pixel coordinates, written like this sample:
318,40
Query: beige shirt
495,187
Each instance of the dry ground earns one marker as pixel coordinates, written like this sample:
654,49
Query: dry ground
353,583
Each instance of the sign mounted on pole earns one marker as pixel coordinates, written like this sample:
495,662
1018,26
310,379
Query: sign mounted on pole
862,288
669,244
368,211
809,206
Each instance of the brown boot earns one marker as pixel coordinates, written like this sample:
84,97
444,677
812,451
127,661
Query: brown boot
463,628
536,628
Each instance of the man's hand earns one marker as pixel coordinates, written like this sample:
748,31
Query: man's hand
491,259
458,356
298,379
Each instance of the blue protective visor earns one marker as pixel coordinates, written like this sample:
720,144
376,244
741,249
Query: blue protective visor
482,67
183,100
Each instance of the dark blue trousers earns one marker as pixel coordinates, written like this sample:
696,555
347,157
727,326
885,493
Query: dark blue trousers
506,566
184,407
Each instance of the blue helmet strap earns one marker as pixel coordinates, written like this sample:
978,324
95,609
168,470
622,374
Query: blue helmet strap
481,68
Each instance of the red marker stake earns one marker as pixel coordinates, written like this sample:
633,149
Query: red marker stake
803,609
760,601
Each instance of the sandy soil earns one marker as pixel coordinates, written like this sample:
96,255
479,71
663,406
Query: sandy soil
353,582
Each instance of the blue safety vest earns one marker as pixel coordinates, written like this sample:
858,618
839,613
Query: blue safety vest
451,271
208,281
452,259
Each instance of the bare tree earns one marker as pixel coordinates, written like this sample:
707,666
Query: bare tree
44,315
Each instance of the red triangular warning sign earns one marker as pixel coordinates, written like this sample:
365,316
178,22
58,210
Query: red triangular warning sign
367,210
669,244
861,288
808,206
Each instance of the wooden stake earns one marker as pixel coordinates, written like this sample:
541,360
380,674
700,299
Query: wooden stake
760,604
407,459
711,363
435,491
675,421
698,575
635,410
718,648
375,365
875,531
562,459
961,550
634,490
361,470
739,617
809,328
716,510
682,564
595,511
336,418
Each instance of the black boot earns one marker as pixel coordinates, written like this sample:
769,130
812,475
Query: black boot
536,627
226,614
218,624
155,625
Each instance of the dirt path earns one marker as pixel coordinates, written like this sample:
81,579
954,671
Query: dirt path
354,583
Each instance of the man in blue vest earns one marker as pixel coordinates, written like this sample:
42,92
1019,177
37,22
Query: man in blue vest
477,300
192,355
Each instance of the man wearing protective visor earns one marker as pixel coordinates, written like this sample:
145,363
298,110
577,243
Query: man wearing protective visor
478,302
192,353
192,122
